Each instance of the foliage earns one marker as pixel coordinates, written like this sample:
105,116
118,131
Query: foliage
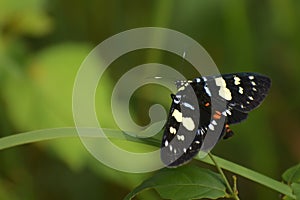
42,44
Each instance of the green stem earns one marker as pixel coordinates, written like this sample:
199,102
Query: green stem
35,136
235,190
251,175
233,194
65,132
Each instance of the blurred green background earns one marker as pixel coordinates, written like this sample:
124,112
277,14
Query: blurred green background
42,44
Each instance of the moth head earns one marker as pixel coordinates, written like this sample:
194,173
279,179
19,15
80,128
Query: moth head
176,98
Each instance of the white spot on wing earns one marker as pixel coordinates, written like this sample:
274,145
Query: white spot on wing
172,130
185,104
241,90
251,77
177,101
211,127
236,80
180,137
224,113
202,131
207,90
166,143
197,80
228,112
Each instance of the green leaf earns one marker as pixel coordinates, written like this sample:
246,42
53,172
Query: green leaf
35,24
296,189
40,96
292,175
287,198
188,182
25,17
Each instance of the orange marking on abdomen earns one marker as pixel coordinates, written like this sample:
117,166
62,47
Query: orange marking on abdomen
217,115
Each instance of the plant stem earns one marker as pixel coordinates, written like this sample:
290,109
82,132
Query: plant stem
67,132
232,192
251,175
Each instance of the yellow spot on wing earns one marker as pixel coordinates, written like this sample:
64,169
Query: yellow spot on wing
181,88
224,91
188,123
220,82
177,115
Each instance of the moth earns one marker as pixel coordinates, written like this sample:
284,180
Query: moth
203,109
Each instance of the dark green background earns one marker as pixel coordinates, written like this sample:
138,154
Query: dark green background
42,44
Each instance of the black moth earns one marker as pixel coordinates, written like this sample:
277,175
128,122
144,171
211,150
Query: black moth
206,107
